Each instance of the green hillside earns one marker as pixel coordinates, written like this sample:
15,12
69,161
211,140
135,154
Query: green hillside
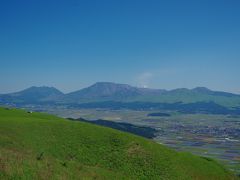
188,96
41,146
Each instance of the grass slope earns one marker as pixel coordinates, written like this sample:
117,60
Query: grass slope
41,146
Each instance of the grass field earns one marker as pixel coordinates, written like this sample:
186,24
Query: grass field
41,146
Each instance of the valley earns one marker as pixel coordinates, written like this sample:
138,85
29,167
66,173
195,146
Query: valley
199,120
214,136
42,146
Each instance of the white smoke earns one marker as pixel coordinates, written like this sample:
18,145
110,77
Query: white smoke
144,79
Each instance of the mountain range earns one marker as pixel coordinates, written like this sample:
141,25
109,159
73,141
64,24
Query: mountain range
103,92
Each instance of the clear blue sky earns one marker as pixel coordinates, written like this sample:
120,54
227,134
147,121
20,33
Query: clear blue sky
167,44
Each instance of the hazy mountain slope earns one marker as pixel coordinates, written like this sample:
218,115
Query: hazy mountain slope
192,96
33,95
105,91
40,146
125,93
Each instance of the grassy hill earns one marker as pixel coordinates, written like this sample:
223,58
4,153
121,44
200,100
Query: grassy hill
41,146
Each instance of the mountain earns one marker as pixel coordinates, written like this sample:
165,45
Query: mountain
104,90
200,94
41,146
107,91
112,92
33,95
210,92
202,90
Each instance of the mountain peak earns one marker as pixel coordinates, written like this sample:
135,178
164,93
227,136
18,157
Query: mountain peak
109,84
105,89
34,94
201,89
40,89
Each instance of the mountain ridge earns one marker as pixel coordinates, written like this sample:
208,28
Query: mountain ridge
198,88
33,94
108,91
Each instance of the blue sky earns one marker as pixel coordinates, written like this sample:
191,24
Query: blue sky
159,44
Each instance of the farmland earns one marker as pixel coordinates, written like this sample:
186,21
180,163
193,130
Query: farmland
215,136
